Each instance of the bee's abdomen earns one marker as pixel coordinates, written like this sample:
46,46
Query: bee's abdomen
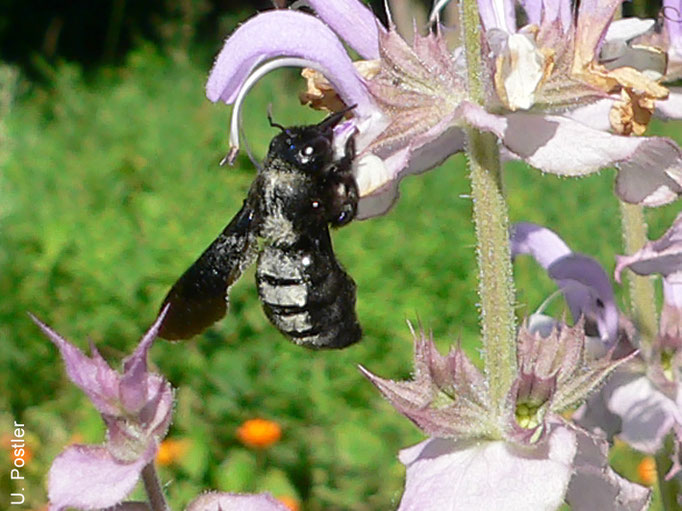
308,297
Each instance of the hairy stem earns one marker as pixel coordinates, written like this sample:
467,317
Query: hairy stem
152,485
642,295
471,37
496,286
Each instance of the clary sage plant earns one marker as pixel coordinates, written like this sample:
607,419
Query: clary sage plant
570,89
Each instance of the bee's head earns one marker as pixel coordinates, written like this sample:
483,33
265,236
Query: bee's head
308,148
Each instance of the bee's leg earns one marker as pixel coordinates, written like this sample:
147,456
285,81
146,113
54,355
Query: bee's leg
345,163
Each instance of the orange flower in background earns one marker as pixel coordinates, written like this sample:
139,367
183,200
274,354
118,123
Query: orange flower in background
16,451
646,470
24,453
171,450
259,433
289,502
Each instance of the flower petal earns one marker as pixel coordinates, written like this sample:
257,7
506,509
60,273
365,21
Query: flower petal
594,415
672,15
423,153
652,176
588,292
595,485
582,279
498,14
552,11
594,18
268,35
533,10
662,256
88,477
671,107
354,23
647,414
671,315
595,114
445,475
650,167
540,242
215,501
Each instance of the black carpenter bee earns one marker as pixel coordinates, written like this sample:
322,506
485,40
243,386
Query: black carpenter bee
299,191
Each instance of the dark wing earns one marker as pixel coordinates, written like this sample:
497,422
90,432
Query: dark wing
199,298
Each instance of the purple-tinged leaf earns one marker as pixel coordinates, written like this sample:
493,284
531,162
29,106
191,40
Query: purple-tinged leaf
92,375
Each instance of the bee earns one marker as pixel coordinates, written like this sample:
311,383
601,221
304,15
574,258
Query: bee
299,191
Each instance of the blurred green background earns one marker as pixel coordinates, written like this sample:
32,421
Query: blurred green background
110,187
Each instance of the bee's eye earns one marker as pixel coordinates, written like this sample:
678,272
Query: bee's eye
313,151
306,153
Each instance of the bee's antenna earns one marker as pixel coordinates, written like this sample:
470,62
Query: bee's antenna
272,123
334,119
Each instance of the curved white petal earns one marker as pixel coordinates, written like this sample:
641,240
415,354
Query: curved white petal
445,475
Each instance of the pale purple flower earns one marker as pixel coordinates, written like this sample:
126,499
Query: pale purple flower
582,279
642,403
410,114
578,103
136,406
215,501
525,456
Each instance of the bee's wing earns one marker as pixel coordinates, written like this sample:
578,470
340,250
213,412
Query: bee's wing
199,298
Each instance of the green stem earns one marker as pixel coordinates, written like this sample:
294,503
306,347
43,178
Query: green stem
669,490
642,294
471,34
496,285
